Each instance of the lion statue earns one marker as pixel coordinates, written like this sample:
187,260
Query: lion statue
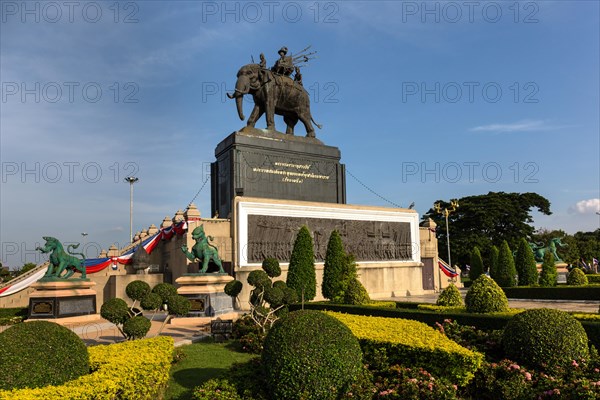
60,261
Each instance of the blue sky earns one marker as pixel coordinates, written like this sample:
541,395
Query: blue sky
426,101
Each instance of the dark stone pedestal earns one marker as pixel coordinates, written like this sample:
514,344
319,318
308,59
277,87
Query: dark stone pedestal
269,164
206,294
62,298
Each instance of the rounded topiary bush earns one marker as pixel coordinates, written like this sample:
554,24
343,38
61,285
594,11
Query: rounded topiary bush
40,353
485,296
137,290
115,310
577,278
450,297
274,296
151,301
136,327
271,267
544,337
164,290
259,279
233,288
178,305
310,355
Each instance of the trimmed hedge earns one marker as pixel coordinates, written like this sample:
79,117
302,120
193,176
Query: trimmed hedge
413,344
137,370
480,321
554,293
593,278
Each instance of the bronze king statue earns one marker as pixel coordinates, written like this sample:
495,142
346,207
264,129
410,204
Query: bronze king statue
275,92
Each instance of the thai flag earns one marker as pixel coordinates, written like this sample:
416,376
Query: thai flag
449,272
595,261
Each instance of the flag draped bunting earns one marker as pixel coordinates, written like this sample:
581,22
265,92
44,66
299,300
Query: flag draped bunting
93,265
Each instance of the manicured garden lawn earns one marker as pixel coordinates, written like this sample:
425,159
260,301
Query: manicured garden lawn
204,361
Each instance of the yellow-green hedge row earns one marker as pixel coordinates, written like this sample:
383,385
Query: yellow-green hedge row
461,309
136,370
412,343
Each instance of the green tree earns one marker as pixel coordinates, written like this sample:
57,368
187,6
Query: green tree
301,273
525,264
506,267
335,260
476,264
588,244
486,220
494,254
26,267
548,276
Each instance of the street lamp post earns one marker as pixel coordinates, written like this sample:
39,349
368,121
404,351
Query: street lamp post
131,180
84,234
446,211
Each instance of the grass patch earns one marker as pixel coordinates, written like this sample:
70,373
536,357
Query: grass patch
203,361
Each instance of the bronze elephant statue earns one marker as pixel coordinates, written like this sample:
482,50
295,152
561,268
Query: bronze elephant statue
273,94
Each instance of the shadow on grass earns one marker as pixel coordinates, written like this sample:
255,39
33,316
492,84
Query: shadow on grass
192,377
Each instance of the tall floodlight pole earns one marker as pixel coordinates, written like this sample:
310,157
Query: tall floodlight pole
84,234
131,180
446,211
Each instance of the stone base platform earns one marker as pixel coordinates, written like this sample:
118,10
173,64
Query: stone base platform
62,298
206,293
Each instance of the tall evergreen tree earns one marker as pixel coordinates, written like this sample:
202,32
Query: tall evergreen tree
525,264
301,273
476,264
549,275
493,269
506,267
335,259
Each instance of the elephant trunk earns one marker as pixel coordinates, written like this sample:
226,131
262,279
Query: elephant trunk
238,103
241,88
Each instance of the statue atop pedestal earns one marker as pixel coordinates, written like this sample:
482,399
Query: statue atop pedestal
275,92
61,261
203,251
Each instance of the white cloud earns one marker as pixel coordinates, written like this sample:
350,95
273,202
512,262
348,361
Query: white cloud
519,126
586,206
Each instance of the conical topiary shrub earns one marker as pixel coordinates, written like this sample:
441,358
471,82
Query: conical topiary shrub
335,259
450,297
577,278
505,270
301,272
525,264
485,296
476,264
549,275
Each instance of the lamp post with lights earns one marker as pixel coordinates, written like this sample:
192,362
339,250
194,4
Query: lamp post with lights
446,211
131,180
